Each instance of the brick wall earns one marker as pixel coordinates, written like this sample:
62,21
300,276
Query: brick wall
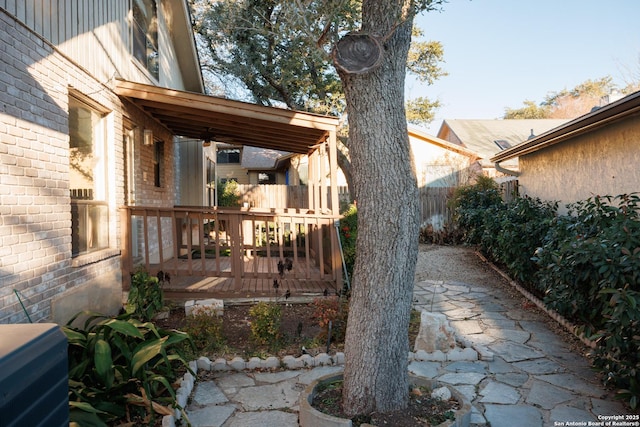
36,266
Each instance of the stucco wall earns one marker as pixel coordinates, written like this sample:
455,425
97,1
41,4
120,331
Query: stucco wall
602,162
438,167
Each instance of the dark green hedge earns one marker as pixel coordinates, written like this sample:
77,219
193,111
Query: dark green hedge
585,265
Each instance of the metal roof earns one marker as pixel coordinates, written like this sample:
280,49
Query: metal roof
199,116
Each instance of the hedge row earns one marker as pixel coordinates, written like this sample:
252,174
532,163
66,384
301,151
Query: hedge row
585,265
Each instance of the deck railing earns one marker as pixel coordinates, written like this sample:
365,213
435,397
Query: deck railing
230,242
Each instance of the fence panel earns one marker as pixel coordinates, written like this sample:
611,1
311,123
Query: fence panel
509,190
433,200
274,196
433,207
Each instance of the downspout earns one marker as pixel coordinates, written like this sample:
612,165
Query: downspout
505,171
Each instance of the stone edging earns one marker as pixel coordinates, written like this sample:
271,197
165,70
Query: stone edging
570,327
238,364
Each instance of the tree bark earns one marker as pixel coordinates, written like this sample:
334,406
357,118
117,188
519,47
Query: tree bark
376,344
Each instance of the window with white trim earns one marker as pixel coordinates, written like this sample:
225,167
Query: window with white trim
88,178
144,35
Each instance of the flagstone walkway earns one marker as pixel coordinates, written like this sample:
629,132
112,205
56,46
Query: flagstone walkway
526,372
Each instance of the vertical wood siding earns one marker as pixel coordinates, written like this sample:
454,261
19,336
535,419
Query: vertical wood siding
95,34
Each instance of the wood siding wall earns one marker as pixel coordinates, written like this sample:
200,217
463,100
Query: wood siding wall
94,34
282,196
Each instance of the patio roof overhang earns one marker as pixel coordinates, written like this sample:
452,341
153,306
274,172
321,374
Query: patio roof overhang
200,116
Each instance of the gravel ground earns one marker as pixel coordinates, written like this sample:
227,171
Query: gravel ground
452,263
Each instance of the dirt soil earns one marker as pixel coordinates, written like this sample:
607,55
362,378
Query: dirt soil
298,327
301,329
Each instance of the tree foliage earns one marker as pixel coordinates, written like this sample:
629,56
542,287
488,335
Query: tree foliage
277,52
568,103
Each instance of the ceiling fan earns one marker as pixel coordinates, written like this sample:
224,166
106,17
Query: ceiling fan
209,135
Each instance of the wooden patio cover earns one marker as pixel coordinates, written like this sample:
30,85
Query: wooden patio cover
200,116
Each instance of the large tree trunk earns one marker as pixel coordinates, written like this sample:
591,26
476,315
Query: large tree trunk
376,346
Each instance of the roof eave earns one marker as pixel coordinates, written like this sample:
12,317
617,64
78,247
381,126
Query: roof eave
600,117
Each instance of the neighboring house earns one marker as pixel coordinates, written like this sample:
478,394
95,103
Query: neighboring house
489,137
95,96
252,165
440,163
595,154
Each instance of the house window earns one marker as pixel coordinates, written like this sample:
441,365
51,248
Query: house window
158,162
88,178
228,156
145,35
266,178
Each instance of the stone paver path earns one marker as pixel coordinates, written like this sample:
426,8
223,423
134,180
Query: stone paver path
525,374
525,371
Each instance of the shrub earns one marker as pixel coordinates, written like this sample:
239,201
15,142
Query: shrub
120,367
265,322
513,232
228,193
469,205
589,250
332,310
591,274
204,327
145,296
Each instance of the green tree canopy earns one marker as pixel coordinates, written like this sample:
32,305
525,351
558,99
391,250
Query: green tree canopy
275,52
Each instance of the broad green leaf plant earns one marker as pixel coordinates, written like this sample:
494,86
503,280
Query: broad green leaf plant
121,367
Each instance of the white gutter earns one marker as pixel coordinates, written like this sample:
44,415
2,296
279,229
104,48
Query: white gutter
505,171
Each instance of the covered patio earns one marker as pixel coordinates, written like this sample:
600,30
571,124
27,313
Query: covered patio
243,251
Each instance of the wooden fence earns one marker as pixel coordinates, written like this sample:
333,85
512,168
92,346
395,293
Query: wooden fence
433,200
434,209
281,196
509,190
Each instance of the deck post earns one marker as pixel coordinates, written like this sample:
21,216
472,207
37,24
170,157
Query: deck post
237,254
125,250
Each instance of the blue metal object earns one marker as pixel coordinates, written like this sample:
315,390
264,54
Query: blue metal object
34,382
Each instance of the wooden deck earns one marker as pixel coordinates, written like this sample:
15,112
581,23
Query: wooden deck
258,278
223,288
242,249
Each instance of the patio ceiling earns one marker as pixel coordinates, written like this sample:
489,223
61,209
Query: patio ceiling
199,116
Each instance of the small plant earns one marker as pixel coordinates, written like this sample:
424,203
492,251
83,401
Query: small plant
121,369
228,193
348,235
265,322
334,311
205,328
469,205
146,298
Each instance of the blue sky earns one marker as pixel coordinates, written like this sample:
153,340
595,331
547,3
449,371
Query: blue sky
499,53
